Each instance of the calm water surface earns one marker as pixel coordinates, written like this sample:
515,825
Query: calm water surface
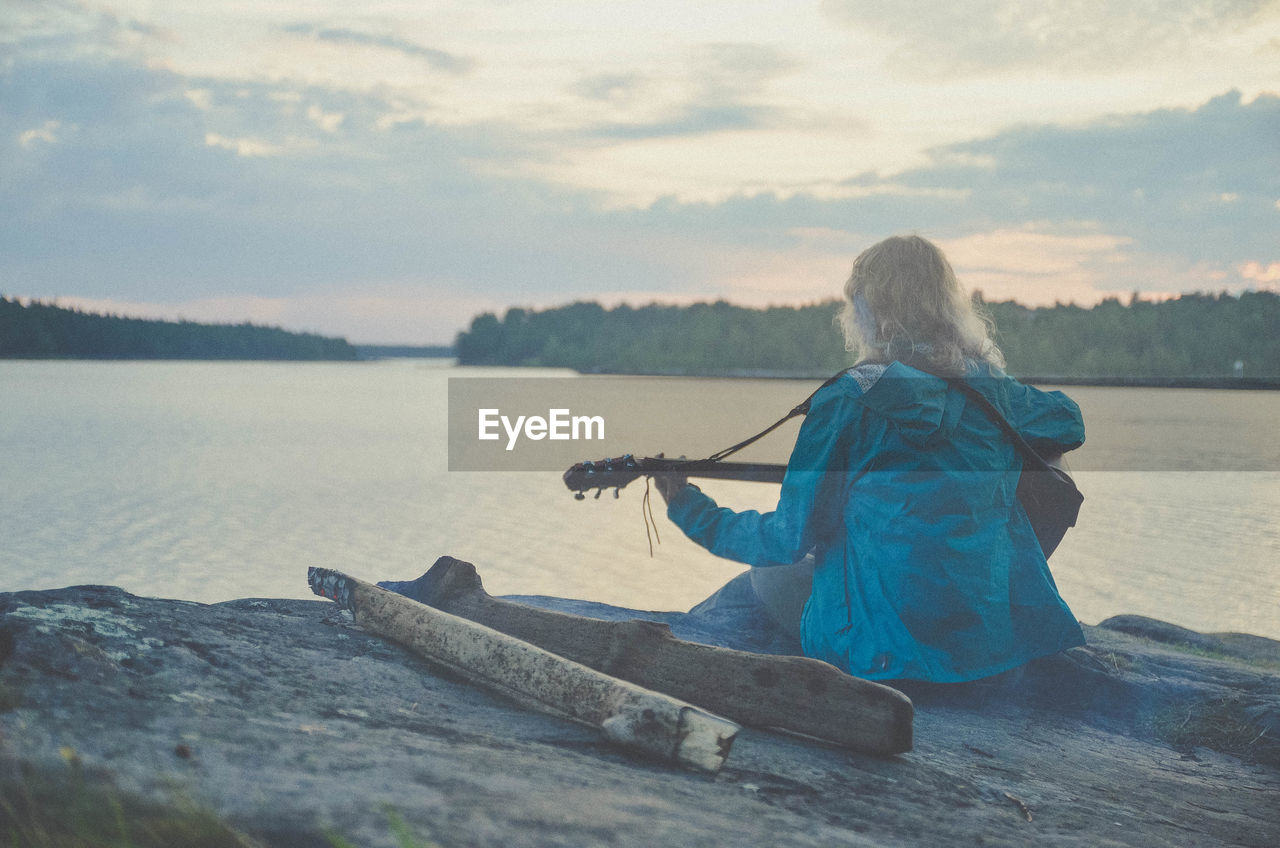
211,481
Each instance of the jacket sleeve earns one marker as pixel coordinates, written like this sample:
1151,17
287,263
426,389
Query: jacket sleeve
1049,421
810,504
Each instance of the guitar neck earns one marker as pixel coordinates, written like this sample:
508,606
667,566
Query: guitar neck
754,472
618,472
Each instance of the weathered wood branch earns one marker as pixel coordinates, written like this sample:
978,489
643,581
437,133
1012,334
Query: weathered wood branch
798,694
645,721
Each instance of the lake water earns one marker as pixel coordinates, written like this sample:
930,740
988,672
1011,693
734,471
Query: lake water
211,481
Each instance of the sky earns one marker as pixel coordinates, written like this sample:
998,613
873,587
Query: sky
386,170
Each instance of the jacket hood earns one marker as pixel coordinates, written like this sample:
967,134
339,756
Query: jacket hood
917,404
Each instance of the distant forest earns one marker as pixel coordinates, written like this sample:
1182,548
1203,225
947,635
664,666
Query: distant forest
38,330
1193,336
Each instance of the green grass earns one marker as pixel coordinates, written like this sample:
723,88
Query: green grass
405,837
1218,724
66,808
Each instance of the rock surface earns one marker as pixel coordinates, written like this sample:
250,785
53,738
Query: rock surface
291,723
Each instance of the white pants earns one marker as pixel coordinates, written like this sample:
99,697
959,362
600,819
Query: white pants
783,591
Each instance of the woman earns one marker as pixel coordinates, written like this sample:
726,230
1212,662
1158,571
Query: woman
903,491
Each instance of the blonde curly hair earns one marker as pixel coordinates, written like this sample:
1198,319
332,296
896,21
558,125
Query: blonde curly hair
902,301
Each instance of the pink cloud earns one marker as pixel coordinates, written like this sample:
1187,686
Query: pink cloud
1265,275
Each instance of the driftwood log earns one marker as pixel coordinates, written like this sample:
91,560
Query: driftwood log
634,717
797,694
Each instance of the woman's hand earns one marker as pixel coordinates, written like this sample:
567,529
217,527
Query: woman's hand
669,483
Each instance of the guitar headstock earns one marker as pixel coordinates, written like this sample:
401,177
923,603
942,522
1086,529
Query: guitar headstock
608,473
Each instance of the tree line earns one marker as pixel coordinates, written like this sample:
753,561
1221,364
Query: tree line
1196,335
37,330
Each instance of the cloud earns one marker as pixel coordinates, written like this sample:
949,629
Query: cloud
129,182
440,60
1150,201
1266,276
46,133
717,88
327,121
244,146
692,120
1159,177
621,88
1038,264
739,69
971,37
162,197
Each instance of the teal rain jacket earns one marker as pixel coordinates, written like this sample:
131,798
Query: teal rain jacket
926,565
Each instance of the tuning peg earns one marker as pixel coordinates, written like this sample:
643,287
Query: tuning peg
599,492
615,492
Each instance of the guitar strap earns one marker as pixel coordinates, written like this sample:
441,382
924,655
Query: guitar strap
799,409
1029,453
